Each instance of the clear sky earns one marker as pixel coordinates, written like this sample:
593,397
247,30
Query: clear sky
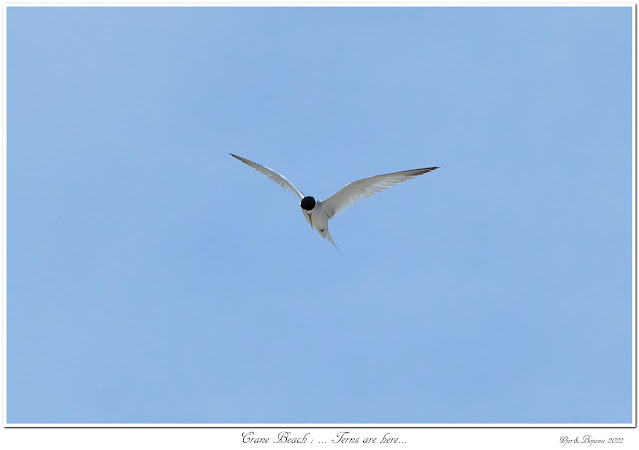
153,278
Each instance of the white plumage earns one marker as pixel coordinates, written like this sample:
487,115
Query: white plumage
318,213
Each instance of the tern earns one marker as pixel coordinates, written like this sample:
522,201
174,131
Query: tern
319,213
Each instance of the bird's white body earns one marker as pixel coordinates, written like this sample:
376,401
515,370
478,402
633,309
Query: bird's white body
319,220
319,213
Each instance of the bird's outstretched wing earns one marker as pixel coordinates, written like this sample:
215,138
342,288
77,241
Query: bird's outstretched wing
367,187
279,179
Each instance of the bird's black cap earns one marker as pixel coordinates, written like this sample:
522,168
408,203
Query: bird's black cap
308,203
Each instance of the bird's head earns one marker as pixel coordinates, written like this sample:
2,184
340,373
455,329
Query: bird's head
307,204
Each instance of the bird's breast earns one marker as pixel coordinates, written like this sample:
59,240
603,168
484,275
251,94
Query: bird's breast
319,219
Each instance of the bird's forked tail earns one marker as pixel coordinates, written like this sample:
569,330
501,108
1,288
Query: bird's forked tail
326,235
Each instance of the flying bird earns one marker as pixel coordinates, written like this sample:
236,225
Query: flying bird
318,213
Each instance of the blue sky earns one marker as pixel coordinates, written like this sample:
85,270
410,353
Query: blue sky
152,278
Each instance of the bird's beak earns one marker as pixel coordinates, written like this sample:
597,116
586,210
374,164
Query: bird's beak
310,218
